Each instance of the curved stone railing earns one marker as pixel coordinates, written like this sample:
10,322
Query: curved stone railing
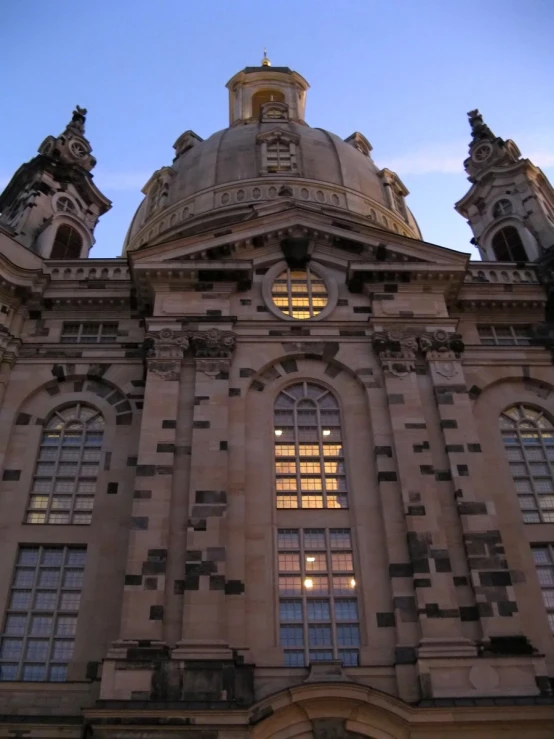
501,274
97,269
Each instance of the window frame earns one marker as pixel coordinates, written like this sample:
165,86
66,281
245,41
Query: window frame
529,499
549,609
509,248
324,611
74,233
493,339
330,283
81,333
31,613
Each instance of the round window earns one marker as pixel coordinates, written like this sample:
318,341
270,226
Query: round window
65,204
299,293
502,208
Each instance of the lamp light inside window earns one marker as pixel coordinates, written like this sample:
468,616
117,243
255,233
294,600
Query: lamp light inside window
326,432
278,432
310,559
352,583
308,583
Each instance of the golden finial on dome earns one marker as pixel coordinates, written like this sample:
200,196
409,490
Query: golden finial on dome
265,60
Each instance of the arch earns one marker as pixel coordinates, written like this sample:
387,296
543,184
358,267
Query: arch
67,466
350,709
67,244
508,246
265,96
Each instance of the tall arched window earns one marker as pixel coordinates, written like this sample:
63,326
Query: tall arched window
529,442
507,245
64,482
309,461
68,243
265,96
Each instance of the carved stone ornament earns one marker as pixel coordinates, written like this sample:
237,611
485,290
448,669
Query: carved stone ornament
213,344
397,351
441,345
164,351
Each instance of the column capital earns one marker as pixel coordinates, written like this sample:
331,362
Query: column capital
397,351
164,351
213,344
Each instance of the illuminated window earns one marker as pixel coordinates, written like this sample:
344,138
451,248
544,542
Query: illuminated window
265,96
504,335
68,243
309,462
507,246
64,482
318,612
299,293
502,208
529,442
41,618
544,562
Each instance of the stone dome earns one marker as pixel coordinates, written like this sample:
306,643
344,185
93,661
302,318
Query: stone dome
266,154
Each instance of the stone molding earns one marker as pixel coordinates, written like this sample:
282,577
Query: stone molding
164,351
398,349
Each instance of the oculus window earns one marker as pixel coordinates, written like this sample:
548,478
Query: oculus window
299,293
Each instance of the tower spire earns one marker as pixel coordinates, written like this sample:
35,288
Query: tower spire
265,61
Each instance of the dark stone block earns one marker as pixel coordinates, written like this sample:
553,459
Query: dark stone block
142,494
414,426
341,302
139,522
485,610
153,567
169,424
199,399
463,470
22,419
472,509
442,564
445,399
469,613
234,587
383,451
11,475
419,544
421,566
178,587
133,579
257,385
449,424
107,460
443,476
407,606
150,583
416,510
405,655
474,448
246,372
200,568
289,365
426,469
400,569
200,424
234,392
157,554
332,370
131,461
454,448
146,470
387,477
544,684
156,613
499,578
507,608
510,645
163,470
350,332
422,582
459,581
112,488
223,446
210,497
165,448
92,671
191,582
217,582
385,620
474,392
362,309
193,555
197,524
261,308
182,451
395,399
245,301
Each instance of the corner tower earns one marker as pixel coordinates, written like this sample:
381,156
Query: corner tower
51,205
510,206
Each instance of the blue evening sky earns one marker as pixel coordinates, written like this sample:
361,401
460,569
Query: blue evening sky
402,72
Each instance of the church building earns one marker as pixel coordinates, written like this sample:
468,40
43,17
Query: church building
284,469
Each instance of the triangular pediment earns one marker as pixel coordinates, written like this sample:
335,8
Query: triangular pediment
255,239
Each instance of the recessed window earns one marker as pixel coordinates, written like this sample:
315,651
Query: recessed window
507,246
89,333
68,243
502,208
502,335
309,460
544,562
398,200
528,438
265,96
41,618
318,606
299,293
65,205
64,482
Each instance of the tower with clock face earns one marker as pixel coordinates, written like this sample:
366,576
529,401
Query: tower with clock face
510,206
51,204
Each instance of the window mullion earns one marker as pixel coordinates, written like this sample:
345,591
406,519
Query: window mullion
322,476
304,596
297,456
